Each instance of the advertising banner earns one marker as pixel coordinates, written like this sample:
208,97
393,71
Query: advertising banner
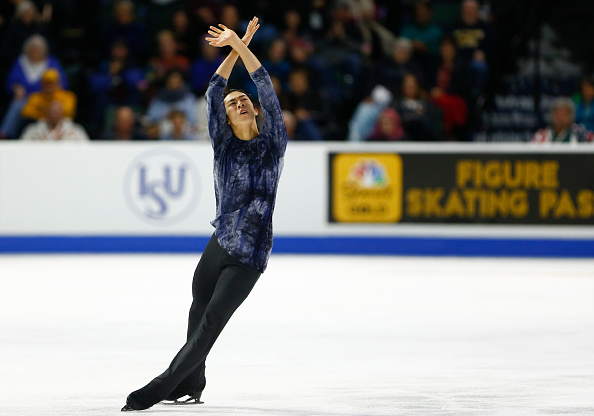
461,188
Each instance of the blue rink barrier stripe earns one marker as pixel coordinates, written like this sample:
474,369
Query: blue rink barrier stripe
414,246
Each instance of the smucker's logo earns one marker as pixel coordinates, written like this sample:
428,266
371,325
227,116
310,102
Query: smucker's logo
161,186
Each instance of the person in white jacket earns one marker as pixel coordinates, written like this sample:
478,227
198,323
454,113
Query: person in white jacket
562,128
55,127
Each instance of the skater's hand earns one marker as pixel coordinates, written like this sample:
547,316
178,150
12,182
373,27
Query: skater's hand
249,32
221,36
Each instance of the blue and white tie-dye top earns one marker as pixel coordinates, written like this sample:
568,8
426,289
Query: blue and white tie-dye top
246,173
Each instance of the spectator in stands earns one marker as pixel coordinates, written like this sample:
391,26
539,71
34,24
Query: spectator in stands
388,127
203,13
55,126
301,55
203,67
300,127
424,33
341,49
230,16
24,78
125,126
26,22
318,18
471,33
117,81
174,96
176,127
449,74
291,28
300,124
125,27
449,91
367,112
27,70
377,40
185,34
308,104
158,15
322,77
38,103
167,59
563,128
419,117
584,111
151,131
339,59
299,52
476,43
390,72
276,63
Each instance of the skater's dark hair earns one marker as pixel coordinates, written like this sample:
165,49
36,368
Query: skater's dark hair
252,99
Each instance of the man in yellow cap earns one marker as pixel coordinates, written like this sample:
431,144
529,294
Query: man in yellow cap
39,102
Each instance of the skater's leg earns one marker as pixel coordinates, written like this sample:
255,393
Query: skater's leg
205,279
235,283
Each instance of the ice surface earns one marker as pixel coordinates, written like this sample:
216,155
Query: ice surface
318,336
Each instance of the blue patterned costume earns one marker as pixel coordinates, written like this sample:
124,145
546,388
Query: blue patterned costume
246,174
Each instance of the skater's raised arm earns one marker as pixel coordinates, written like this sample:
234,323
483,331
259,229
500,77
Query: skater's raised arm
218,129
224,36
273,118
227,65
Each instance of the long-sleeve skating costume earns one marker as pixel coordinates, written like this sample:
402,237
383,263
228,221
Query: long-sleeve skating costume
246,174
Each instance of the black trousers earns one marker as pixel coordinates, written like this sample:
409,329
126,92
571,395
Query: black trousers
220,285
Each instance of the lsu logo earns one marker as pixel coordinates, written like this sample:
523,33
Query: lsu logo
162,186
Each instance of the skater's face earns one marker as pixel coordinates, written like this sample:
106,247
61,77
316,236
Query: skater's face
240,109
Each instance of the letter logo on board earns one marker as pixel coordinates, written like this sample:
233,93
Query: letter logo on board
162,186
366,187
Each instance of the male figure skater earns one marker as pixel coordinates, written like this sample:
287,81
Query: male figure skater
247,166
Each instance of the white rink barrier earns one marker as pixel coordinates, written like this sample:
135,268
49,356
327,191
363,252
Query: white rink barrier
152,197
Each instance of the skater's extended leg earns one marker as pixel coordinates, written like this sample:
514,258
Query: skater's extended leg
205,279
234,285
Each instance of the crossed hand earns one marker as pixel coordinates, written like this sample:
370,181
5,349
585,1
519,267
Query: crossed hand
223,36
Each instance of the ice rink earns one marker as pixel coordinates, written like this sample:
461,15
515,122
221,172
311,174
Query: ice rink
318,336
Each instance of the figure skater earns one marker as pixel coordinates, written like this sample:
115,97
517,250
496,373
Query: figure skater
248,161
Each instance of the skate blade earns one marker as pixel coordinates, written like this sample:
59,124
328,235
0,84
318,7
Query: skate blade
181,402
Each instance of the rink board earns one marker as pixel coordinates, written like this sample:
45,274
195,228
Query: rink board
406,246
409,199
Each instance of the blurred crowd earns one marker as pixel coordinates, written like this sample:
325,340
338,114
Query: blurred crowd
357,70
